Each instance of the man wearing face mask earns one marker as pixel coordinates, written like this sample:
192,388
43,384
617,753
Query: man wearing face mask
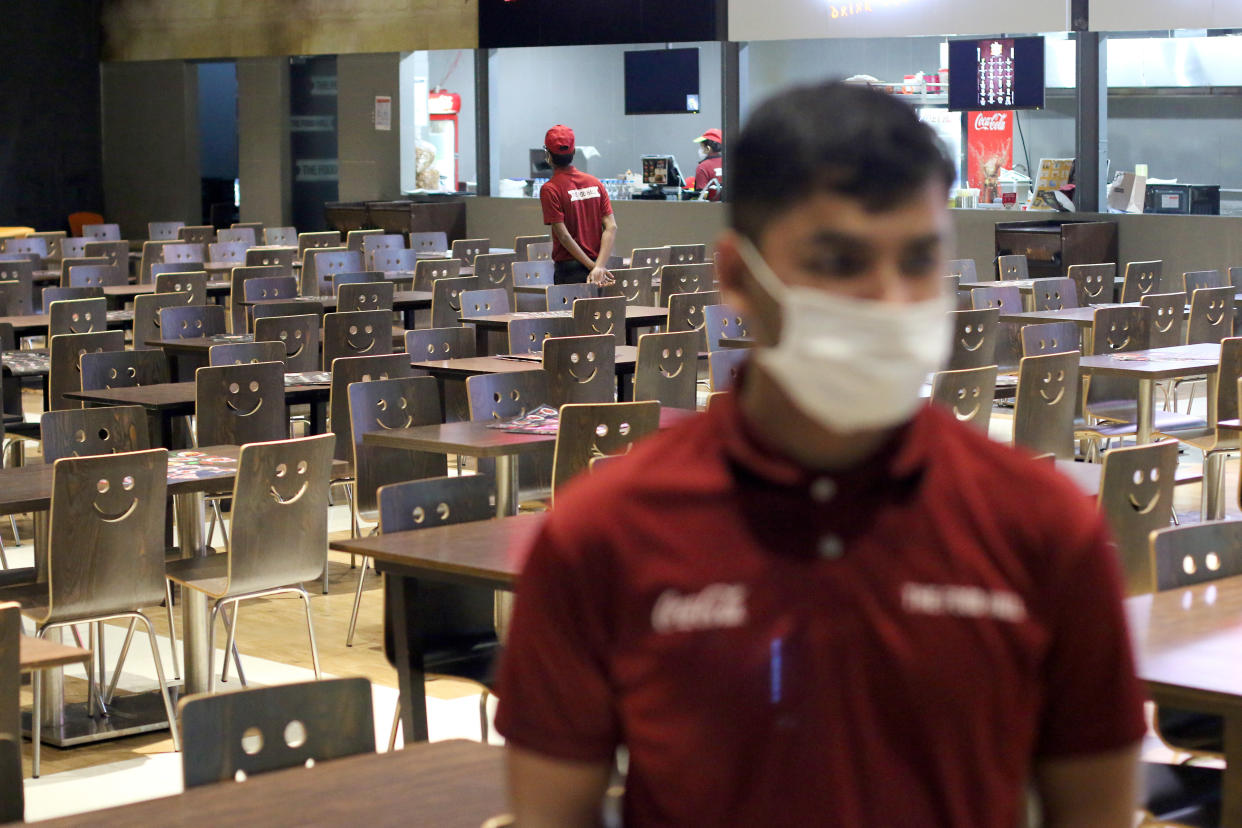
824,602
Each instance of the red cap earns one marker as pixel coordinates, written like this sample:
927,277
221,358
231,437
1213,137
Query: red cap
559,140
710,135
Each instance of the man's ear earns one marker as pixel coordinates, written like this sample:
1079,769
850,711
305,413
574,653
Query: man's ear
732,273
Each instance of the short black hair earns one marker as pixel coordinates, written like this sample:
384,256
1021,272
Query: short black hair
830,137
561,159
712,146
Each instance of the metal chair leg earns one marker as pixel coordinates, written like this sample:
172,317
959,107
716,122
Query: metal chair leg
116,671
483,723
353,616
17,539
4,562
172,630
396,725
159,674
310,631
36,720
211,649
230,624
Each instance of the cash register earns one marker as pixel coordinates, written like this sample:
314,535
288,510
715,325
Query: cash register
662,177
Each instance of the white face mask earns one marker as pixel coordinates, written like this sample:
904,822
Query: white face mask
851,364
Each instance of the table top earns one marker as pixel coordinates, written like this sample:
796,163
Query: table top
173,396
1083,317
29,363
490,553
40,653
454,784
33,323
635,315
626,358
401,300
217,286
1157,363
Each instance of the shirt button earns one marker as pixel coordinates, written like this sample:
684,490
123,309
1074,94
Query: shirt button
831,548
823,489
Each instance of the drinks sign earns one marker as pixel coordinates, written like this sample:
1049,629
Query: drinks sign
989,149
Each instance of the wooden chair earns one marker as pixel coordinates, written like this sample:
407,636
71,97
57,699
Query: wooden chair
526,336
53,240
653,257
1114,330
1196,279
16,298
245,353
963,269
163,230
483,303
685,278
1005,299
429,242
288,307
1167,319
355,238
105,557
968,394
724,367
96,276
280,531
238,735
66,264
1136,497
182,253
589,431
392,260
521,245
270,287
73,247
202,234
580,369
467,249
439,343
685,313
227,252
723,322
538,272
1094,282
244,236
175,267
539,252
116,252
123,369
86,432
384,405
12,801
361,277
239,404
1050,338
365,296
667,368
636,284
498,397
77,316
152,252
685,254
298,337
18,275
280,236
64,371
310,282
356,333
331,263
101,231
1043,418
605,315
238,278
382,241
495,270
345,372
193,286
147,308
317,241
68,294
446,300
190,321
429,271
1211,315
1141,278
562,297
281,257
1012,267
1055,294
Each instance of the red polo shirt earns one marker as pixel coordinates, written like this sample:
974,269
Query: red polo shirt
581,202
709,168
893,645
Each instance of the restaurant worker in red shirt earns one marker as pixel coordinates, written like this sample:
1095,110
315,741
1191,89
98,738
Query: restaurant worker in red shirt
710,168
577,208
823,602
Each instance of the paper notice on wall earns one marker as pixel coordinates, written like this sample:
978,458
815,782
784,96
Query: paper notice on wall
383,112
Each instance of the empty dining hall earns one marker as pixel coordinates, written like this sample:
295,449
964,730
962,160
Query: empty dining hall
545,413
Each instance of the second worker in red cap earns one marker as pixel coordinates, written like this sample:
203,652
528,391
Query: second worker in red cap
708,176
577,208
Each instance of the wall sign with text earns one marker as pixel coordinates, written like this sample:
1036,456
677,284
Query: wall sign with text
799,19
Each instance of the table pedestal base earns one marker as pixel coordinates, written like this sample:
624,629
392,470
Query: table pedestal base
128,715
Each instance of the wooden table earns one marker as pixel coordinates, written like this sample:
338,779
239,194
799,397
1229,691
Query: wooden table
455,784
120,294
188,354
36,324
405,302
636,316
487,554
1187,643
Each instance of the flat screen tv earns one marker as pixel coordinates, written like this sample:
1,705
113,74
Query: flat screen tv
661,81
996,73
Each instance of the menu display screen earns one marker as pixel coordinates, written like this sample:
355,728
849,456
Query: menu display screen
996,73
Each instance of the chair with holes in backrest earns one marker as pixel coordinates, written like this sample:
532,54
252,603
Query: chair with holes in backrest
73,248
280,531
439,343
16,298
1044,410
116,252
1008,348
1050,338
967,394
280,236
1211,315
18,275
321,240
457,623
96,276
152,252
270,287
382,241
365,296
963,269
722,322
67,264
654,257
521,246
362,277
667,368
288,307
605,315
526,335
497,397
309,282
636,284
184,252
227,252
1196,279
348,370
467,249
1141,278
495,270
54,239
429,271
1055,294
12,797
446,300
163,230
685,313
245,236
1006,299
238,404
298,337
354,238
1010,268
1093,282
684,254
580,369
147,317
1167,319
1116,329
123,369
562,297
475,303
329,263
356,333
595,430
384,405
723,367
238,277
537,272
191,321
539,252
392,260
34,248
245,353
685,278
101,231
435,241
67,294
203,234
77,316
1136,498
192,286
160,268
281,257
238,735
105,562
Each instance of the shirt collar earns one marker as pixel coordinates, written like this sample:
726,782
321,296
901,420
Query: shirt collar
570,170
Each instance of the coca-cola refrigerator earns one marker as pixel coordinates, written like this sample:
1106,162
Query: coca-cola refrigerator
989,150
